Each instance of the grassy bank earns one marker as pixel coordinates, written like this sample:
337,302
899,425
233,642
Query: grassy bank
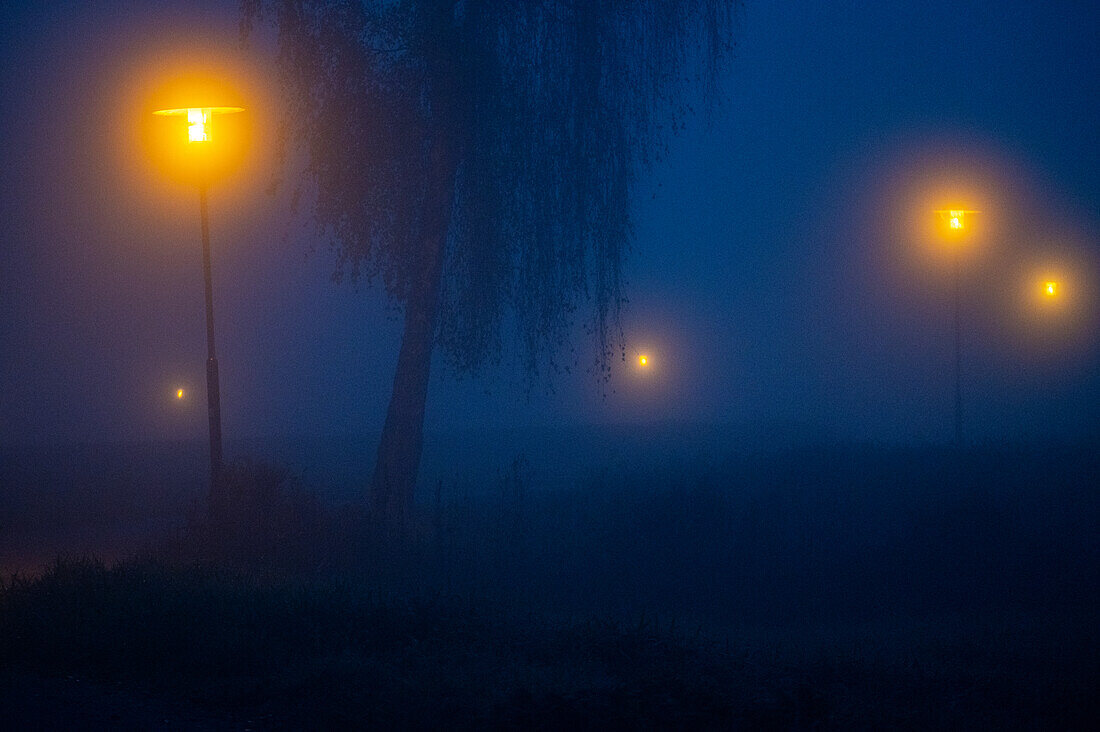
324,653
839,588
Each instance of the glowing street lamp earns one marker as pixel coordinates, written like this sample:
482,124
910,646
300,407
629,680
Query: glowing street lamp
1050,293
197,134
955,220
643,360
200,120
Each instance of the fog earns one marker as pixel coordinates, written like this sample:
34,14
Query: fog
780,270
770,523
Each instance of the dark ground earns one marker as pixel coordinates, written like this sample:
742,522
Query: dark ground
818,587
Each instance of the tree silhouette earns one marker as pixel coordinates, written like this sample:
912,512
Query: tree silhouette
478,158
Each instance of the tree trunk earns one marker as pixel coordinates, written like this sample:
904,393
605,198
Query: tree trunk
395,472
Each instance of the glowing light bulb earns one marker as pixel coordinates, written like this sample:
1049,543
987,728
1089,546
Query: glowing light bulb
643,361
955,219
179,393
198,119
198,125
1050,289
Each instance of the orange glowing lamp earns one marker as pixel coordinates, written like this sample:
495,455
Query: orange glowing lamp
187,107
1051,292
193,135
643,361
955,219
199,119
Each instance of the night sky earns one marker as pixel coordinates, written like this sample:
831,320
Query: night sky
779,276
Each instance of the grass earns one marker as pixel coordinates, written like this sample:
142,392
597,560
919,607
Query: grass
326,653
818,589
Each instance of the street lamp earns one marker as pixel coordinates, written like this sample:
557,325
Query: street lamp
198,133
955,224
1051,292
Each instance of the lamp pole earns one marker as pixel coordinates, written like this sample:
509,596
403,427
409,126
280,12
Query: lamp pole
958,356
213,392
198,126
955,219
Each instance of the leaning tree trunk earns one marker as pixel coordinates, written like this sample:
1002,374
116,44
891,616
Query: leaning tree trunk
395,472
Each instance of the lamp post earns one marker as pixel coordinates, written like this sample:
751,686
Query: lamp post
199,129
956,225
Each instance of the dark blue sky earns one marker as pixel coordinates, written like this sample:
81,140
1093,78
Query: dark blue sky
775,278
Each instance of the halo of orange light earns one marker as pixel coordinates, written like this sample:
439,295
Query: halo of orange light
153,149
166,125
1057,301
909,192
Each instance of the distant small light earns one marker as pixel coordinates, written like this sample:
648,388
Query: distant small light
179,393
1050,289
955,220
643,361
